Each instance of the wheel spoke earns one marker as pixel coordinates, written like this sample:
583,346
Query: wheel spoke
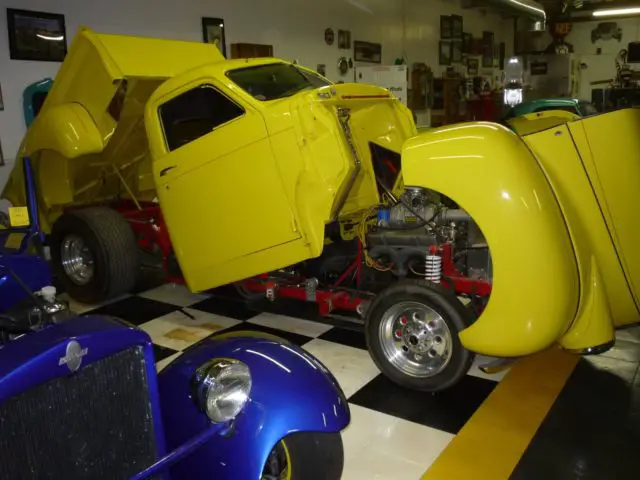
76,259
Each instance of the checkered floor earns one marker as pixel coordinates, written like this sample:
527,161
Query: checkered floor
395,433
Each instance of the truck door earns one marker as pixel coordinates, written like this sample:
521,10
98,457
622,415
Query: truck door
217,182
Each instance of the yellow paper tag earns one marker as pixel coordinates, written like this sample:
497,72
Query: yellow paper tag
13,241
19,216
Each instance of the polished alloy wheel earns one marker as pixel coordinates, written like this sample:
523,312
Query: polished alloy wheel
415,339
76,260
277,466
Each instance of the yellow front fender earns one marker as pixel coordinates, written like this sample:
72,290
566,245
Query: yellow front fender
489,172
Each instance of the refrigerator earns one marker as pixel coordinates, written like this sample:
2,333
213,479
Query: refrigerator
392,77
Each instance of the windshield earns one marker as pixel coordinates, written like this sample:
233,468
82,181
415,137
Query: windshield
273,81
587,109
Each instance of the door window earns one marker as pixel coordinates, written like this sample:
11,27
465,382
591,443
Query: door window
195,113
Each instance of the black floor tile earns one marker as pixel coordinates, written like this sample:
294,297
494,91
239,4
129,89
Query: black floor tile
247,326
149,278
227,307
135,310
349,337
288,307
448,410
160,352
225,291
592,431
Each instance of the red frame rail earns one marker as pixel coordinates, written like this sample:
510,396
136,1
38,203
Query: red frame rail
147,222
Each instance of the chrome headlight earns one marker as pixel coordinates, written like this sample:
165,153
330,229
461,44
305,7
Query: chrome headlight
221,388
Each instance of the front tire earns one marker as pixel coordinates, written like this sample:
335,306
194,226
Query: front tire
412,334
95,254
306,456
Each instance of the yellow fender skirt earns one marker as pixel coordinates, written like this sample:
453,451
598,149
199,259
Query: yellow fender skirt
489,172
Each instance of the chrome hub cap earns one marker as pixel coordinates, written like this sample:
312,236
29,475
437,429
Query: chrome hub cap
415,339
77,260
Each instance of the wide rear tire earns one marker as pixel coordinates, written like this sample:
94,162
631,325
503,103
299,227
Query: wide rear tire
94,254
306,456
412,334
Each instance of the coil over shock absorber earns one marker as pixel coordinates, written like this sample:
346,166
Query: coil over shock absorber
433,265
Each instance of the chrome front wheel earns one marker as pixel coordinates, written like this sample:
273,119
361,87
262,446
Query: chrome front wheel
415,339
412,335
76,259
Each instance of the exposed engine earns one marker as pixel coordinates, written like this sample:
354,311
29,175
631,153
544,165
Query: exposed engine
409,237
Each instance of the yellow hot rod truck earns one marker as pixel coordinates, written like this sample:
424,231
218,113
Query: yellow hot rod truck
262,174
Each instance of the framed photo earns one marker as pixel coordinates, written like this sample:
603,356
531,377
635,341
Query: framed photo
456,26
367,52
446,27
456,51
322,69
344,39
213,32
444,53
487,52
467,43
36,35
472,67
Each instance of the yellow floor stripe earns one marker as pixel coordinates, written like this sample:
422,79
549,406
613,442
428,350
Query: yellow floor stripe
491,443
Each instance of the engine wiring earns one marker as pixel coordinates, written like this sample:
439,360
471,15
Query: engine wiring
361,232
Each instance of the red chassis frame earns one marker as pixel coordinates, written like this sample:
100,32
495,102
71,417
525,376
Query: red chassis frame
147,222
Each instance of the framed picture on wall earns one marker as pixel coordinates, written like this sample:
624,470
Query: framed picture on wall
472,67
36,35
367,52
456,51
446,28
487,49
467,43
456,26
444,53
213,32
344,39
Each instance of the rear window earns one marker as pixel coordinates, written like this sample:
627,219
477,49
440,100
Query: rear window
272,81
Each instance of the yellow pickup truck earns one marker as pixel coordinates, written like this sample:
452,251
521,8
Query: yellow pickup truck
257,173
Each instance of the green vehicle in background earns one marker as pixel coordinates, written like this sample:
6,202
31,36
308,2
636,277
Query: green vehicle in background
582,108
536,115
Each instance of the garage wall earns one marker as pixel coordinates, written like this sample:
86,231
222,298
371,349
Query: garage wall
600,66
294,27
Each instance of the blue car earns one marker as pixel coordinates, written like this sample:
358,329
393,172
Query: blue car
80,397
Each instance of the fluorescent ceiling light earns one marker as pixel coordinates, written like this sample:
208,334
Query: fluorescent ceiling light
49,37
617,11
529,6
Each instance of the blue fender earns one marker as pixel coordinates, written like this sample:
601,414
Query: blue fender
291,392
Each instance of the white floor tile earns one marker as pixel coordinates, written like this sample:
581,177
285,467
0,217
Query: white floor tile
352,367
177,331
373,434
382,447
476,372
174,294
166,361
629,334
290,324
